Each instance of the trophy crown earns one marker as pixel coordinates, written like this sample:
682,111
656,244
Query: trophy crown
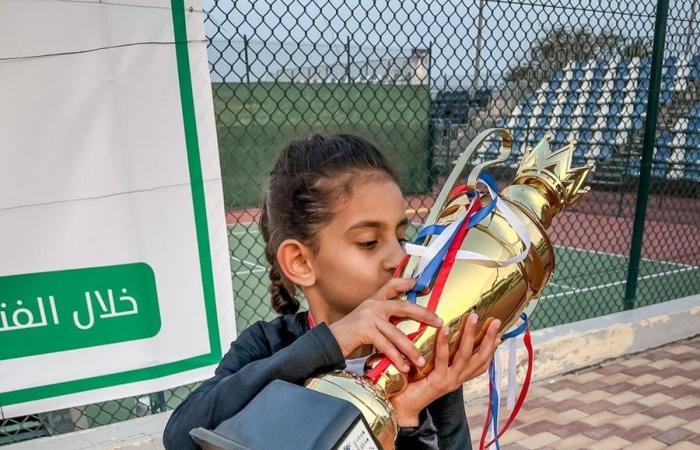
551,170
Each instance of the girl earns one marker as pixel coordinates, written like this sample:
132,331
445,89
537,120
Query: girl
334,226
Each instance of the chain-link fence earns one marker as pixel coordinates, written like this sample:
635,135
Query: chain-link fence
420,79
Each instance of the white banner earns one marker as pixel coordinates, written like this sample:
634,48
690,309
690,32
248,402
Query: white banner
114,268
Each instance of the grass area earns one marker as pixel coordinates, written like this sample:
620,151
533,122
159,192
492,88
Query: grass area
254,121
586,284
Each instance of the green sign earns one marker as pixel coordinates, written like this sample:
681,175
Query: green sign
70,309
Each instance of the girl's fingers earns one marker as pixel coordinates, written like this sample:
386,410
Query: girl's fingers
410,310
479,370
442,351
401,342
394,287
466,345
488,344
384,346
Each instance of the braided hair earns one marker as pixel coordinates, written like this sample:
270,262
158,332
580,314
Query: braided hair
307,180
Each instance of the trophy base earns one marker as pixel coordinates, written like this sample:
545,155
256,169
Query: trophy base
285,416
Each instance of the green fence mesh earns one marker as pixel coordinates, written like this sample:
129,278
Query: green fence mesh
420,79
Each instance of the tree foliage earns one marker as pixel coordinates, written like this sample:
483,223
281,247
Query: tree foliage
556,48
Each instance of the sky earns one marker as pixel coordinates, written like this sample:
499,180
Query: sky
286,34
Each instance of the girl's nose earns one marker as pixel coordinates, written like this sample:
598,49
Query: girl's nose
394,258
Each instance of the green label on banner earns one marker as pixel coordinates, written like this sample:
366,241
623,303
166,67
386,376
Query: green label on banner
70,309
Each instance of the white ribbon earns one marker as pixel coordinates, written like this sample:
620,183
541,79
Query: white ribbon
426,254
510,394
498,375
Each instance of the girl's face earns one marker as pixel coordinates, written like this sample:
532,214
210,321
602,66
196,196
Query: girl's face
361,246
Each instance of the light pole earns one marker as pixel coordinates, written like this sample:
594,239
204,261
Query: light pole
477,63
691,22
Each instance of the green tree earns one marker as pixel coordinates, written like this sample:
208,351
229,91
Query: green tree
637,48
561,45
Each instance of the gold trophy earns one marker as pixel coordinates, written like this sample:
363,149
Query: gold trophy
515,262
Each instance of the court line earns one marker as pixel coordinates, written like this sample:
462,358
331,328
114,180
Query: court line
248,272
616,283
565,286
248,263
243,233
598,252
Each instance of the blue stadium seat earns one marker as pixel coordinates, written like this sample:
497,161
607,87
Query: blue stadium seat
609,136
606,152
633,168
580,151
547,109
694,68
640,104
622,69
661,158
575,85
619,84
692,165
567,110
613,122
560,137
692,141
601,65
664,97
694,124
598,102
644,74
694,112
665,139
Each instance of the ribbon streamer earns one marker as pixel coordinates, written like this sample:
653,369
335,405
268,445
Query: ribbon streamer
492,414
428,254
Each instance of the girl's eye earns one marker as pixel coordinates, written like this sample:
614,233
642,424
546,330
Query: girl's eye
368,245
403,242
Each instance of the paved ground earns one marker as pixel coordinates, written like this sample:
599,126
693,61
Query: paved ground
644,401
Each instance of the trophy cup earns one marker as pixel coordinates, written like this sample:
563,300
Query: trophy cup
503,264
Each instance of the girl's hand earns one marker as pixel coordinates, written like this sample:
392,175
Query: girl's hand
369,324
447,377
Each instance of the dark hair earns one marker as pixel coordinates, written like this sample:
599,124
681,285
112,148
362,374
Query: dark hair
309,177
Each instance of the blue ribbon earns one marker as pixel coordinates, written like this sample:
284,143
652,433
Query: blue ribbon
434,266
495,401
517,331
430,271
429,231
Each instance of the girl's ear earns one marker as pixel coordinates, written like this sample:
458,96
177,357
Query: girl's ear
294,259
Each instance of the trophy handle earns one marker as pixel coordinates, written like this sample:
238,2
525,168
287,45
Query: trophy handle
453,179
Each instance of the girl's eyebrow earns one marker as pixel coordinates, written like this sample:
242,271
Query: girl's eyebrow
376,224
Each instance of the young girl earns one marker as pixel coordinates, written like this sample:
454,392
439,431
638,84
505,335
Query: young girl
334,226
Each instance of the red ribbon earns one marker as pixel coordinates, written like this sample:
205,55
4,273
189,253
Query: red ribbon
521,398
310,320
436,292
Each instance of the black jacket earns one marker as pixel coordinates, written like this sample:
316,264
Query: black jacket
286,349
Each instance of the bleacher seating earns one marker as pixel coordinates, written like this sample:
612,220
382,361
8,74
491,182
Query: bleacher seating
453,106
601,104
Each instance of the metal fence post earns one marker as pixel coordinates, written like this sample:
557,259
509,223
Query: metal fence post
647,154
347,52
245,55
